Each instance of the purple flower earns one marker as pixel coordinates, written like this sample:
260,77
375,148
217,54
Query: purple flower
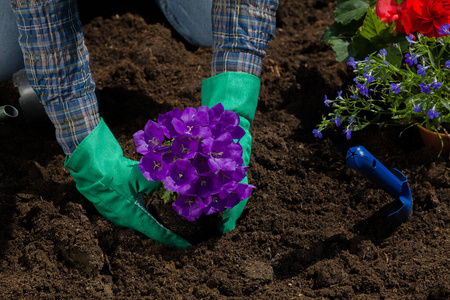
195,153
447,63
352,62
185,147
416,108
410,39
150,138
421,70
337,121
192,123
235,193
424,88
395,87
383,53
339,96
444,29
411,58
327,102
368,77
363,89
436,84
317,133
223,153
348,133
190,207
153,167
166,121
181,176
432,113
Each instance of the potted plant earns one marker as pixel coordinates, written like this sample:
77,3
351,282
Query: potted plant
403,83
196,155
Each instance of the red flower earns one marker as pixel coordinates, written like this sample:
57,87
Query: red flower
425,16
387,10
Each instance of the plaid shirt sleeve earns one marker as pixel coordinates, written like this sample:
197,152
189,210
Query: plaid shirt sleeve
57,65
241,31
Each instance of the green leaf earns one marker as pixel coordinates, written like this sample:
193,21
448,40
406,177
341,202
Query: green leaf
374,30
348,10
445,103
341,31
167,196
343,49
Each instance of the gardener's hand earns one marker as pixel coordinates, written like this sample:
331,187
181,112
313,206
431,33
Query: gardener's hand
113,184
237,92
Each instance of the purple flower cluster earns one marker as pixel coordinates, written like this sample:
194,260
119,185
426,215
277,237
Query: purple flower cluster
195,153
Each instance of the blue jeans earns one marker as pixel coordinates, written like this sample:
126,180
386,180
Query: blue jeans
190,18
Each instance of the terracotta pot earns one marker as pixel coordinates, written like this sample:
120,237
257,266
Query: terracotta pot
431,138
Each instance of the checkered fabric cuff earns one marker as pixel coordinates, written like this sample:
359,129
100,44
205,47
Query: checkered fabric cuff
57,65
241,31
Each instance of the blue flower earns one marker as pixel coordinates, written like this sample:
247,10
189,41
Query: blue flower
436,84
447,64
327,102
354,97
416,108
444,29
410,39
339,96
317,133
352,62
424,88
337,121
421,70
363,89
411,58
432,113
348,133
383,53
351,120
395,87
368,77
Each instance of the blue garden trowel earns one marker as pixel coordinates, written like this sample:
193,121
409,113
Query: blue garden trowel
395,184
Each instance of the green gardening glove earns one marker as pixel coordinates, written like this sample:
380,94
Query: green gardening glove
113,184
237,92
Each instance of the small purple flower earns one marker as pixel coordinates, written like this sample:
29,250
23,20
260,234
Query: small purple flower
190,207
352,62
337,121
354,97
153,167
348,133
410,39
317,133
368,77
444,29
351,120
447,64
327,102
424,88
395,87
339,96
411,59
150,138
432,113
416,108
421,70
436,84
383,53
181,176
363,89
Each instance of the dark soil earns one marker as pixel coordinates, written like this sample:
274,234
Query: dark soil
314,228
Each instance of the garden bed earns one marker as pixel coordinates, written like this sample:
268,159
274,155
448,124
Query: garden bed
313,228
